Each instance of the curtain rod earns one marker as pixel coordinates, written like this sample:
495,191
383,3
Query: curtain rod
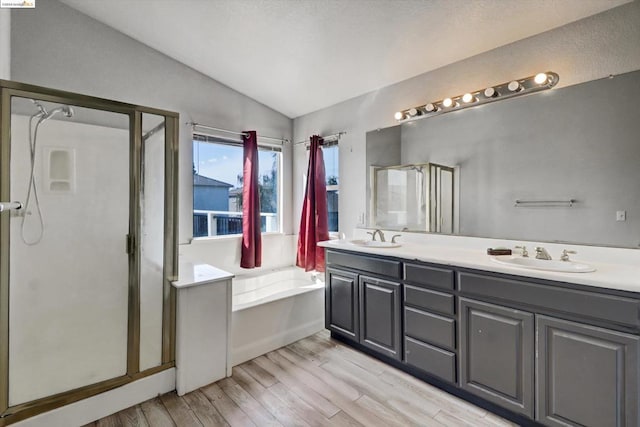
194,124
332,136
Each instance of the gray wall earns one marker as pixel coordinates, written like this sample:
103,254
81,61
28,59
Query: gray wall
585,50
56,46
578,142
5,43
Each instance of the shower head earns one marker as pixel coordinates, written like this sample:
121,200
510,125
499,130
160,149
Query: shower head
65,110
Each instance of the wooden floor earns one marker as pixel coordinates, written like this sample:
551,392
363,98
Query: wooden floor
316,381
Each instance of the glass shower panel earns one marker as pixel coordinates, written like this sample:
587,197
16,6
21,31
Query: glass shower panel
152,241
391,198
69,270
401,197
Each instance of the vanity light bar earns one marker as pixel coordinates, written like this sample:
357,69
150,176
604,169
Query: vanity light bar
536,83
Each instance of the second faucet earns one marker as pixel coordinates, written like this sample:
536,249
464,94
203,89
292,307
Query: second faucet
373,234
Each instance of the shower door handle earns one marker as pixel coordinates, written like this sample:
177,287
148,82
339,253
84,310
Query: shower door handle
8,206
131,244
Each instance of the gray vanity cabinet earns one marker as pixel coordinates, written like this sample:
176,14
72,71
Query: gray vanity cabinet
341,303
429,320
363,302
586,375
545,351
380,319
497,354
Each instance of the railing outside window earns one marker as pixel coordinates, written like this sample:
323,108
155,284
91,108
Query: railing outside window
220,223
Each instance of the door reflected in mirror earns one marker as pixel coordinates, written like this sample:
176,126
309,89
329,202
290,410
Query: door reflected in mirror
419,197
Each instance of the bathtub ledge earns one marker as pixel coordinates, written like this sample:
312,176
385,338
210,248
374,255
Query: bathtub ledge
195,274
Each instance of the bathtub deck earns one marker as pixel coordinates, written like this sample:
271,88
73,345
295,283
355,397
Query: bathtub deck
316,381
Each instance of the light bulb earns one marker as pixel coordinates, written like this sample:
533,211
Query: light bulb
413,112
467,98
490,92
447,102
430,108
399,115
541,78
514,86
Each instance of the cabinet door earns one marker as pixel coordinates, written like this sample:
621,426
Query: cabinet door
585,375
341,303
380,316
497,354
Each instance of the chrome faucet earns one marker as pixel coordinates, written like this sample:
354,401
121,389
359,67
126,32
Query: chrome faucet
525,253
374,233
541,253
565,255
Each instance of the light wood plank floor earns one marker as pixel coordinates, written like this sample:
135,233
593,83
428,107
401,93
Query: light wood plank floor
316,381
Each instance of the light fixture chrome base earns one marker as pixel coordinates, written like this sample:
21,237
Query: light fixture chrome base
510,89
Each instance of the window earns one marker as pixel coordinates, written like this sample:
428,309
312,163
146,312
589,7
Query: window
217,187
330,154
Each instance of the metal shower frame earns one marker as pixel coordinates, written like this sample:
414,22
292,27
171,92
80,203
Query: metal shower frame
9,89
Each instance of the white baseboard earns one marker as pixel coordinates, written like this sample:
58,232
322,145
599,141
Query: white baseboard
104,404
250,351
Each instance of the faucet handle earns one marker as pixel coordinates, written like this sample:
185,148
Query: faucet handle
373,235
565,255
393,238
525,253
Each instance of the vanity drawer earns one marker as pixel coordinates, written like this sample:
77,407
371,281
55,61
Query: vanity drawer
430,276
428,358
429,300
434,329
373,265
613,308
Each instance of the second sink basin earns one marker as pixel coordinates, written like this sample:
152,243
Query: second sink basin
541,264
375,244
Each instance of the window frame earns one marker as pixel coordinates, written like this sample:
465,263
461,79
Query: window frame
201,137
336,187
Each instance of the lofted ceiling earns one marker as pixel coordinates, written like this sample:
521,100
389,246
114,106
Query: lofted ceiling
298,56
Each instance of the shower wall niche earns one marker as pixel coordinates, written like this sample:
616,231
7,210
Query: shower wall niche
86,264
60,170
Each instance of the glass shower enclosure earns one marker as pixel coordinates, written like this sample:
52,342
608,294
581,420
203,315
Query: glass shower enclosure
416,197
87,246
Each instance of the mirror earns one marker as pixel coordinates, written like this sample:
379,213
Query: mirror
557,166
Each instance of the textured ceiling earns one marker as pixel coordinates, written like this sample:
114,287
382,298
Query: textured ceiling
300,56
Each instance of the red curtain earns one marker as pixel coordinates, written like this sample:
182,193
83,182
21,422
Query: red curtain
251,238
314,225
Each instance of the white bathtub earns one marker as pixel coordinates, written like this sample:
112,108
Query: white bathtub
272,309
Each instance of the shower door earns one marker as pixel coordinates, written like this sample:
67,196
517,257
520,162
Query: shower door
68,268
78,247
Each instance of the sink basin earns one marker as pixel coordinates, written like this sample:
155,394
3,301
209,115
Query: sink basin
541,264
375,244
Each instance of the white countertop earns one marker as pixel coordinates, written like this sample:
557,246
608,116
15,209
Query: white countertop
624,276
195,274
